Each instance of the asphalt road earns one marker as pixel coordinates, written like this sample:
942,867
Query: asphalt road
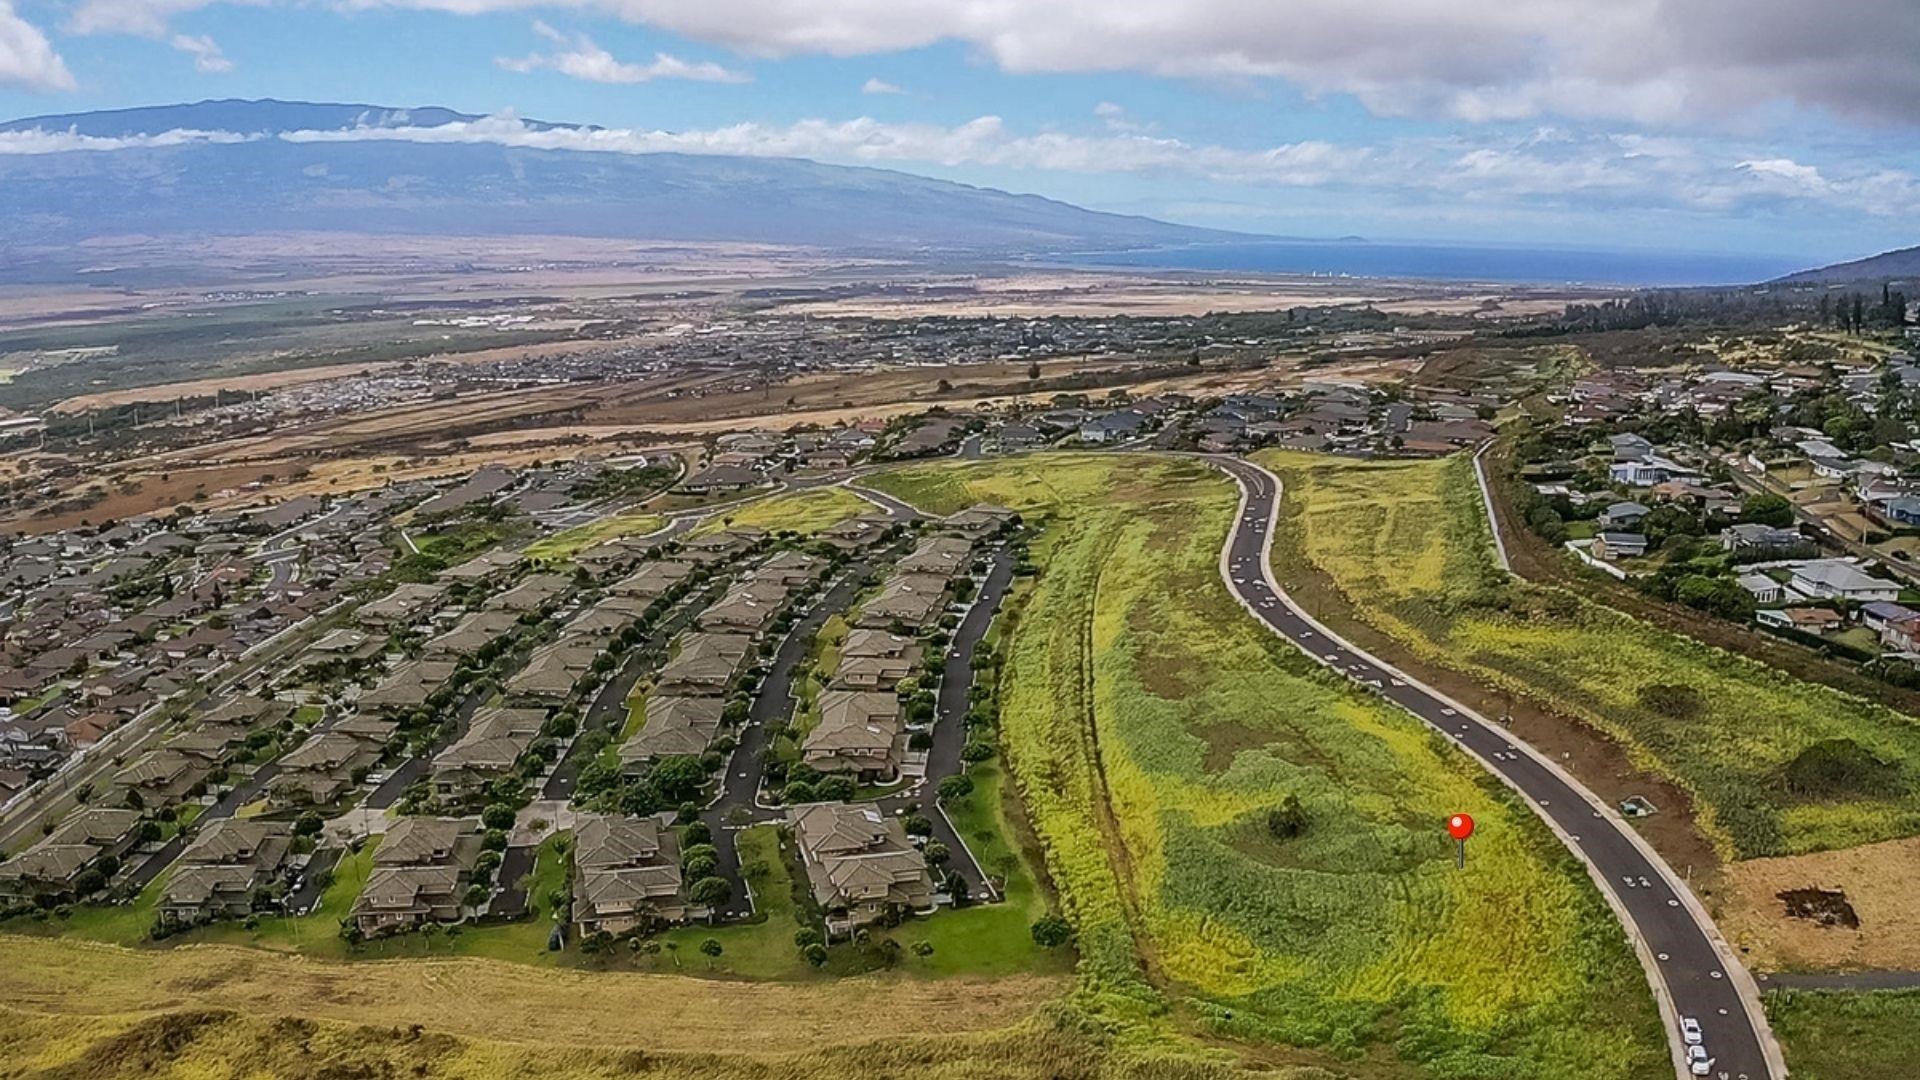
1692,972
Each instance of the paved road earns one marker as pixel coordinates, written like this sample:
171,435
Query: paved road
737,804
897,510
1692,971
950,725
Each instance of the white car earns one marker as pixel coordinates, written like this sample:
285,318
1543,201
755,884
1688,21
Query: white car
1690,1030
1698,1063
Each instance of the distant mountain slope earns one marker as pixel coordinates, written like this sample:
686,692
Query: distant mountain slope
272,184
1886,266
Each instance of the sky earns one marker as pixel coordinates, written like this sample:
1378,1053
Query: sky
1743,126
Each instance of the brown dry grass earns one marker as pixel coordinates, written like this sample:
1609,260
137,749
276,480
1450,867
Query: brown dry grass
498,1000
1882,882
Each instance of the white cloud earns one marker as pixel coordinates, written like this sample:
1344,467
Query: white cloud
580,58
39,141
878,85
1461,176
27,58
207,57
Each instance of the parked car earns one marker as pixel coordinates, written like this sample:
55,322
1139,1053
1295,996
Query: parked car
1690,1030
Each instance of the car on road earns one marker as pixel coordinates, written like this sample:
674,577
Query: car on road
1698,1063
1690,1030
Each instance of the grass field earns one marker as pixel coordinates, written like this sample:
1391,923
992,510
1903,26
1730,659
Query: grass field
1846,1036
564,545
1407,544
1152,728
804,512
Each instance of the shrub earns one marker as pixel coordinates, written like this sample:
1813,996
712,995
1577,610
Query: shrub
1051,931
1835,768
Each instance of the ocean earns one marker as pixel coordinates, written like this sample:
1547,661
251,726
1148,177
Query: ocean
1502,265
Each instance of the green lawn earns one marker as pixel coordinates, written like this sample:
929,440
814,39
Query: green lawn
1848,1035
986,939
762,949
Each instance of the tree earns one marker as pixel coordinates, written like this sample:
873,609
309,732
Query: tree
936,853
696,833
711,892
1771,510
711,949
497,816
957,786
815,953
476,895
679,778
1287,820
1051,931
833,788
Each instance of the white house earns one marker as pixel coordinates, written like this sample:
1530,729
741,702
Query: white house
1837,579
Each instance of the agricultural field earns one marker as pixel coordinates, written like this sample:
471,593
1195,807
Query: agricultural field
804,512
1775,765
1161,743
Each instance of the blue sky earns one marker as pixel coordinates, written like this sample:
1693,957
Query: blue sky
1756,126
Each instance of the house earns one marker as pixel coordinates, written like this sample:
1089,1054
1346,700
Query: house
492,748
555,669
860,866
1837,579
672,727
1810,620
401,606
95,838
1648,472
626,874
706,664
1622,515
1902,635
653,580
875,660
321,770
1879,614
421,870
227,872
161,777
979,522
856,533
1901,512
534,592
911,600
1628,446
408,686
721,478
1619,545
942,555
789,568
472,634
487,566
748,608
1762,588
859,733
1759,537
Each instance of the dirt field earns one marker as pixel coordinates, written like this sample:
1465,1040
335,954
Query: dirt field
490,999
1881,883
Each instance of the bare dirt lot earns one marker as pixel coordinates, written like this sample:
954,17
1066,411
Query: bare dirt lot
1881,884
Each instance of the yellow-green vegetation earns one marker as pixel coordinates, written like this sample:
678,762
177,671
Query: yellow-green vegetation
804,512
1776,765
1832,1035
209,1042
1155,731
564,545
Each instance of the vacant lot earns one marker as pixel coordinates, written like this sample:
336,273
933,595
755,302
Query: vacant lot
1774,764
803,512
1154,730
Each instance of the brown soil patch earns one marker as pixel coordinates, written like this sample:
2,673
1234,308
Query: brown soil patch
1769,909
1224,742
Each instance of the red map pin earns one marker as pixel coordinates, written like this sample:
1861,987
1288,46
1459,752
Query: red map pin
1460,826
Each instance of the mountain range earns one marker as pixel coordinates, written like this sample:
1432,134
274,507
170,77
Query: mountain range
240,167
1902,264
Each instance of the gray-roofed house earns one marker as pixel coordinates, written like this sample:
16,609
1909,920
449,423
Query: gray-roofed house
860,867
673,727
626,874
218,874
421,870
491,748
859,733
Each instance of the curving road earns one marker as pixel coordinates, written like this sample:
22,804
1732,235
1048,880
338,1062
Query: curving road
1691,970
